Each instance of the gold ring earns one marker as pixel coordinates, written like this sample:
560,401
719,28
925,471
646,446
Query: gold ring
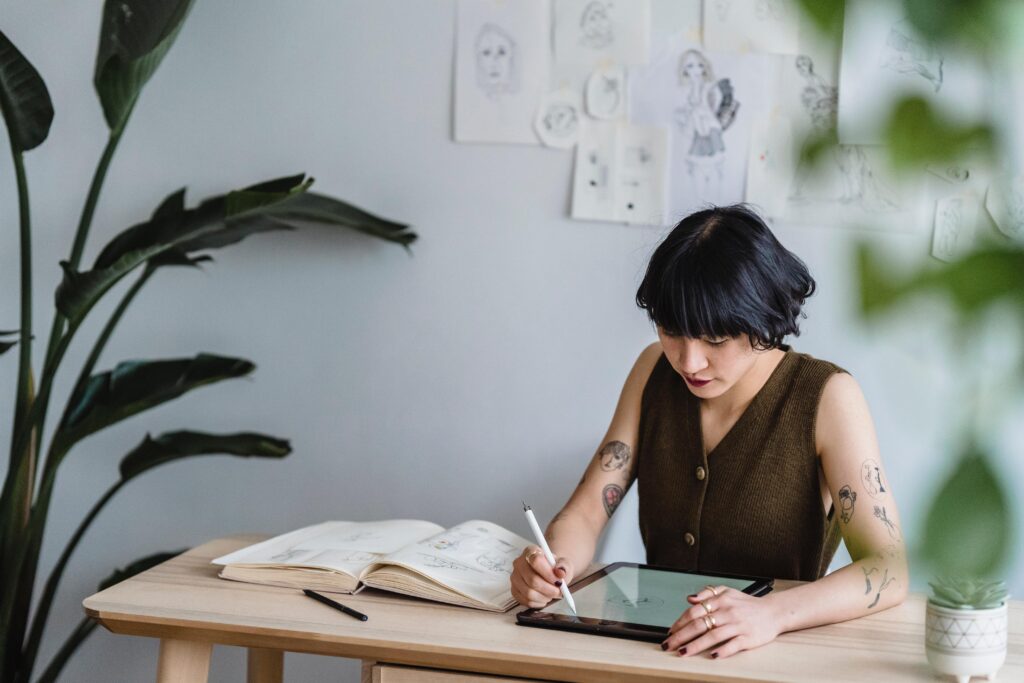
707,610
533,553
712,589
708,622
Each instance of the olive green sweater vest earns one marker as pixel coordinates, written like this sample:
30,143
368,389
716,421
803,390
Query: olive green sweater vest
751,506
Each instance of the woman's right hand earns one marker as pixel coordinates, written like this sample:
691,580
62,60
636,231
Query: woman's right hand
535,582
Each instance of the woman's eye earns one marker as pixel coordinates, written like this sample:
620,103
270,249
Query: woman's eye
715,342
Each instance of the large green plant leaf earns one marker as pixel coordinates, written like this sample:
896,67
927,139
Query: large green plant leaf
968,529
319,208
135,386
7,345
992,273
134,37
158,239
176,445
24,99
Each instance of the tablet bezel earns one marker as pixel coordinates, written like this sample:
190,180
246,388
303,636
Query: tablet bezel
621,629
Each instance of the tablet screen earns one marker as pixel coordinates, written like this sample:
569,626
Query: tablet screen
640,596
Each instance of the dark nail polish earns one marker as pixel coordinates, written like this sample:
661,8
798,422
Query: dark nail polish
558,583
714,655
692,595
682,651
664,646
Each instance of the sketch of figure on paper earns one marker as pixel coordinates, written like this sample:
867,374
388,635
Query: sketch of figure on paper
857,178
907,54
596,31
949,224
708,109
496,66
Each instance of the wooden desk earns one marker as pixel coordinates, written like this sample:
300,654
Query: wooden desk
185,605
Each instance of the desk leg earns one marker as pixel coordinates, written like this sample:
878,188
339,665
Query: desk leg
183,661
265,666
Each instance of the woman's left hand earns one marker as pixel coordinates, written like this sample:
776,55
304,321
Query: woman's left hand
723,621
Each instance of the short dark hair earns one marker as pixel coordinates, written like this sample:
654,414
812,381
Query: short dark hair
722,273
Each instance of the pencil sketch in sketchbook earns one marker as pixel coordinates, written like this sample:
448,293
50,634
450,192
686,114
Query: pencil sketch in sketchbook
707,110
907,54
596,29
558,118
495,52
502,66
595,32
858,183
605,93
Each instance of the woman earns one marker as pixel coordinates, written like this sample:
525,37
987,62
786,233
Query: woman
708,109
750,458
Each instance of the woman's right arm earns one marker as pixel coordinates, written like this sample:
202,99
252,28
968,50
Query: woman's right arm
574,531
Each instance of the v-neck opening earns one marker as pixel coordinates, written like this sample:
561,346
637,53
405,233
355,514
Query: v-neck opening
746,411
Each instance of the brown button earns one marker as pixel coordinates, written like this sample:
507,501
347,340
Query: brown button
701,473
690,540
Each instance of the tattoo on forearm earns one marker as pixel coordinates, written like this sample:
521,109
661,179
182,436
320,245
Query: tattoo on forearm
614,456
886,581
890,526
871,476
847,501
867,578
612,496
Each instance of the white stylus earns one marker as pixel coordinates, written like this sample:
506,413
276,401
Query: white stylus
547,553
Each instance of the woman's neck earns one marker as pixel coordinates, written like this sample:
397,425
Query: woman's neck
739,396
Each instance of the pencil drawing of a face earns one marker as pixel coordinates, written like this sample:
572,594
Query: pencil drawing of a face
694,68
596,26
495,61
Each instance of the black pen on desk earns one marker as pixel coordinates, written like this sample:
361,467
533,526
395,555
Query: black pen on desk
336,605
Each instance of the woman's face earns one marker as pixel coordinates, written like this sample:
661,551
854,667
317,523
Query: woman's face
710,367
693,67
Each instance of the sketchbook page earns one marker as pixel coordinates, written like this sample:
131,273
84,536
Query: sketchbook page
502,60
473,559
596,32
620,173
751,26
709,101
348,547
1004,202
884,59
669,17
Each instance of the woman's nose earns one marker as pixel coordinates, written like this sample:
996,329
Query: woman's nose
691,359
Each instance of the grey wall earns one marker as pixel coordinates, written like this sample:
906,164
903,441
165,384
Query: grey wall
444,386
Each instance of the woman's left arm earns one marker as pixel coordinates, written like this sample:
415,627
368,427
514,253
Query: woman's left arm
875,580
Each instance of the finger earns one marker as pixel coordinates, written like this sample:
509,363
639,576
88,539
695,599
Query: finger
528,596
710,639
564,569
540,565
550,590
707,592
694,613
737,644
686,633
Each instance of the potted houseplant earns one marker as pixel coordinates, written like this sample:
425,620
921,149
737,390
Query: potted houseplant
965,627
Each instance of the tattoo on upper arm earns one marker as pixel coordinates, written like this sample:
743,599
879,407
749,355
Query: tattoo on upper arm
871,475
614,456
886,582
890,526
847,501
867,578
612,496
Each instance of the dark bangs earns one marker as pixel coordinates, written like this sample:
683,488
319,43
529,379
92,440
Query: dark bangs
722,273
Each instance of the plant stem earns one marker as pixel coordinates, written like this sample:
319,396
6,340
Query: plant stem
82,233
25,343
56,665
49,592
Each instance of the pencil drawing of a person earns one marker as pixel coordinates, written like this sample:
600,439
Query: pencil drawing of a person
707,109
496,65
596,30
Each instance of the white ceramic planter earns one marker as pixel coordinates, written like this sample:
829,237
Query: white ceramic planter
965,642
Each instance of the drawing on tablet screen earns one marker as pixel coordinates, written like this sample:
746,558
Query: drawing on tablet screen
642,602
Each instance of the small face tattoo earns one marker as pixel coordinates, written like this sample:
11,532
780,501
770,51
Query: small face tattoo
614,456
847,501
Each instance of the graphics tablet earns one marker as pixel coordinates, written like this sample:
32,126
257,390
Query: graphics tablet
630,600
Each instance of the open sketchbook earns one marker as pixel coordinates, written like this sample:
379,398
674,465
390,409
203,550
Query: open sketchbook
468,564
